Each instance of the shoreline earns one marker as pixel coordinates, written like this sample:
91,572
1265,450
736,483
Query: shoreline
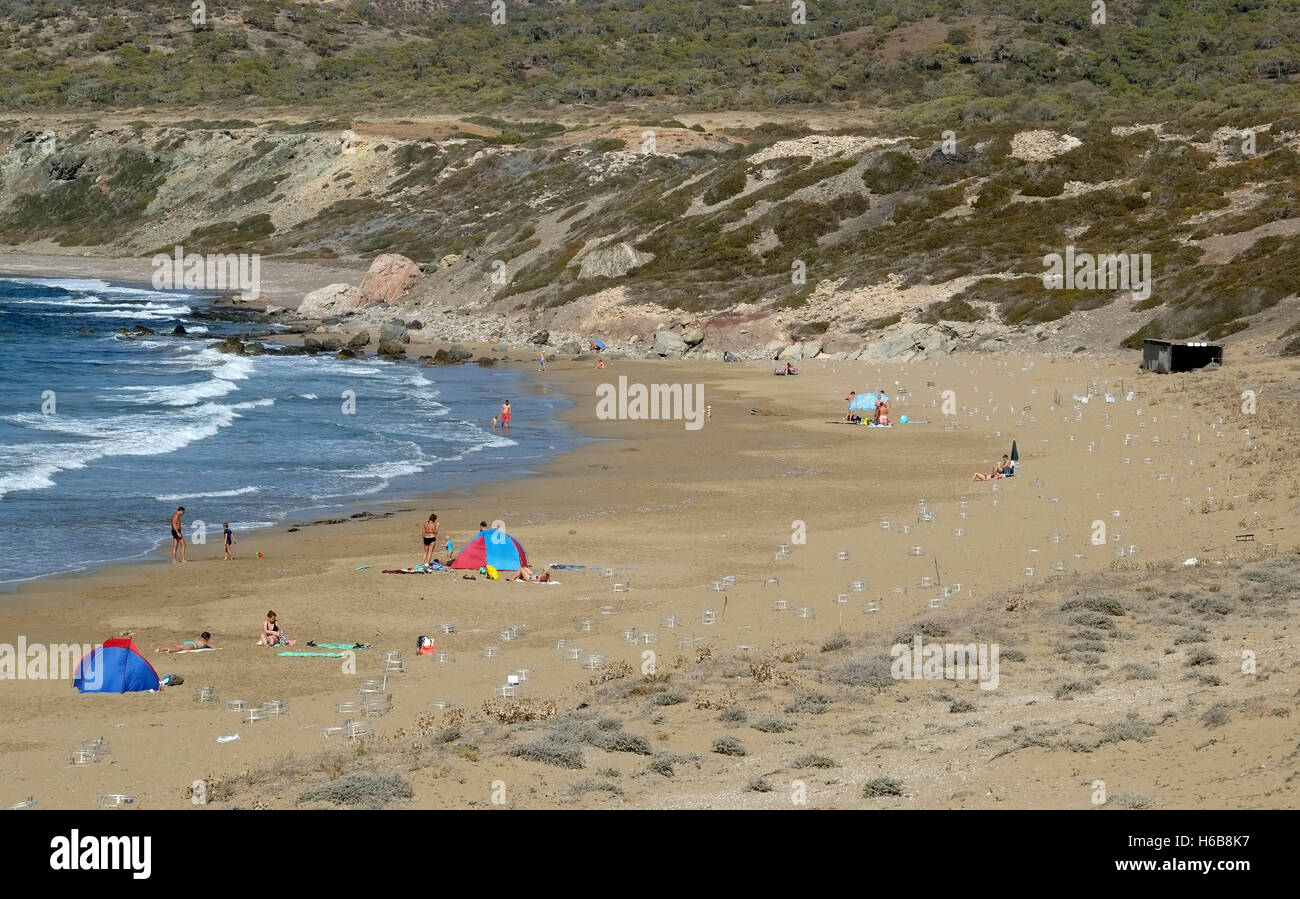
387,504
134,273
284,283
675,510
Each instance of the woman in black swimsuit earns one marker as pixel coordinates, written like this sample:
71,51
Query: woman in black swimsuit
430,537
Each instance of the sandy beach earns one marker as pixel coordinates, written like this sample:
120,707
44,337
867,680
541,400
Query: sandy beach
283,283
659,514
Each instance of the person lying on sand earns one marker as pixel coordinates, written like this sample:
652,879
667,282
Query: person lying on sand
527,574
202,641
790,369
271,633
1001,471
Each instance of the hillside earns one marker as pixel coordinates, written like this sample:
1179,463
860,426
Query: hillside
850,181
888,230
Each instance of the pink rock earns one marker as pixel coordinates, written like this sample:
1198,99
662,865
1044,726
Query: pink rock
390,276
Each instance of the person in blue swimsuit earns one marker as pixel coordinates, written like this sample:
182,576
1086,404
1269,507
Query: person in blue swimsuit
230,538
203,641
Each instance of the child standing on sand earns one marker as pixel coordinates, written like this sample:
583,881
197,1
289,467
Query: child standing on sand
230,538
541,361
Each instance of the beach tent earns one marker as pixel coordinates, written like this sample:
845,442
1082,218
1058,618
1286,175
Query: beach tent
865,401
495,548
790,352
598,343
115,667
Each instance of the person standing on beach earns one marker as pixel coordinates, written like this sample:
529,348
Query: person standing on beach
229,538
504,416
541,361
430,537
178,536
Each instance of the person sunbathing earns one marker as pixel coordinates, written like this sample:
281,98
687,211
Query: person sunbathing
790,369
203,641
527,574
1003,470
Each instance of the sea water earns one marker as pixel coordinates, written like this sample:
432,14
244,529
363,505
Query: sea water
103,436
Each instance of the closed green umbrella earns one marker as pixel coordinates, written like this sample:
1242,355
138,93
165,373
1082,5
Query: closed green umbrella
1015,454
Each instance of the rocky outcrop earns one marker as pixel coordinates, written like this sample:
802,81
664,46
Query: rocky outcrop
611,262
326,300
231,345
915,341
693,336
360,339
326,344
394,331
541,338
391,348
390,276
669,344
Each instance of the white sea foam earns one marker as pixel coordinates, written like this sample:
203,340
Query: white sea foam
33,466
216,494
176,394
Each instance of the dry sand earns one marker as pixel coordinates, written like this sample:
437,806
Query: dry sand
672,510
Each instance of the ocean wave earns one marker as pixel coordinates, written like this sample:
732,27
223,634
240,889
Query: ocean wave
176,394
216,494
384,471
98,286
33,466
148,312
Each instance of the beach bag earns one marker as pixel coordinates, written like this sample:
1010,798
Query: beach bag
491,573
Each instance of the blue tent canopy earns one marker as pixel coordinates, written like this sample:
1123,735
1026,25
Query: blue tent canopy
598,343
115,667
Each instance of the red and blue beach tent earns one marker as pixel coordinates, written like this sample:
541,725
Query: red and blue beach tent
495,548
115,667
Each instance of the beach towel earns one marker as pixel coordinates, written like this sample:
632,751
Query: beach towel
312,655
339,645
543,583
558,567
202,649
417,569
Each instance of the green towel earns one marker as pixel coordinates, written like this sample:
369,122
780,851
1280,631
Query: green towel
340,646
314,655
